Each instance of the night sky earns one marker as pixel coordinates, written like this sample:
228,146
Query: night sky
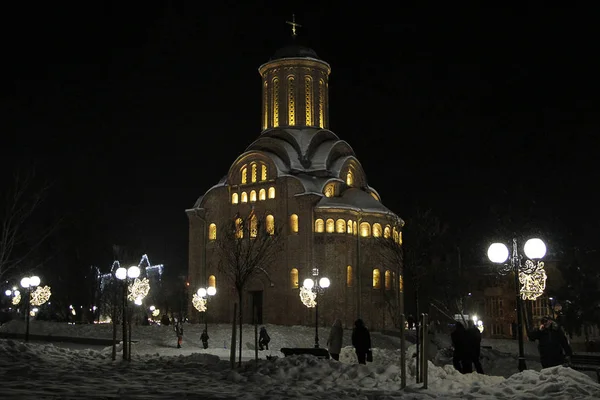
134,111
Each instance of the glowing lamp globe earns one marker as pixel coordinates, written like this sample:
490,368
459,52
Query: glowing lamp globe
152,308
133,272
202,292
121,273
211,291
308,283
34,281
25,282
8,292
535,249
16,293
324,282
498,253
138,301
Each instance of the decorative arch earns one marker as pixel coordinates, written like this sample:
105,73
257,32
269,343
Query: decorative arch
365,229
349,277
319,226
212,232
376,229
329,225
388,280
264,174
294,278
212,281
270,224
294,223
340,226
254,173
376,279
244,173
329,190
386,232
234,198
350,178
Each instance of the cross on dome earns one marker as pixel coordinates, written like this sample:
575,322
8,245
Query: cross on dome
294,25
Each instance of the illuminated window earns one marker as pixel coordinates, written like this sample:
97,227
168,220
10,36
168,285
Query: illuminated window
376,279
294,223
244,175
262,194
321,103
244,197
234,198
254,171
349,178
253,196
340,226
309,101
294,278
386,232
265,105
354,230
212,281
239,228
399,237
376,230
291,102
263,173
275,99
401,283
395,235
212,232
365,229
253,226
388,280
393,280
319,226
330,226
349,276
270,224
330,190
271,192
349,227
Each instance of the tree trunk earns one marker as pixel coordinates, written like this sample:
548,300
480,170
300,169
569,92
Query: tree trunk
240,316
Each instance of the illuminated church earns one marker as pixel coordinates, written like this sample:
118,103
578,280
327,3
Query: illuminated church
303,176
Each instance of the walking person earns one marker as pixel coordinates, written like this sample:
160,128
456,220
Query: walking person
474,342
334,342
553,344
361,340
204,338
178,328
462,354
263,339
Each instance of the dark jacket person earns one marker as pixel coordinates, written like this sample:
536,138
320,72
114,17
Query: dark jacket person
474,341
553,345
361,340
462,358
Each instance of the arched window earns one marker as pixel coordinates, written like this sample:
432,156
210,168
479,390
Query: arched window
212,232
234,198
386,232
270,224
349,227
244,197
239,228
376,230
263,173
244,174
291,102
212,281
254,172
294,278
376,279
401,283
340,226
349,277
253,196
262,194
275,99
365,229
319,226
271,192
330,226
354,230
321,103
330,190
400,237
395,235
393,280
294,223
388,280
309,100
349,178
253,226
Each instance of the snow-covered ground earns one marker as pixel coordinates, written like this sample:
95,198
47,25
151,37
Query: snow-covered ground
159,370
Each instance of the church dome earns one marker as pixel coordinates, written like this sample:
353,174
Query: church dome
295,51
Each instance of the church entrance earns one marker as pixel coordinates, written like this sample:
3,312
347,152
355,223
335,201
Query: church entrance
257,306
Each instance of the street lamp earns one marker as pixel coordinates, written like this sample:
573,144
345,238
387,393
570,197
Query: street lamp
316,286
200,301
27,283
124,274
534,249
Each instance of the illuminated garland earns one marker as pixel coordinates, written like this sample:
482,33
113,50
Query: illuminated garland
155,312
16,300
533,284
199,303
40,295
138,289
307,296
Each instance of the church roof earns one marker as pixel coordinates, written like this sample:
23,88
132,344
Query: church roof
295,51
354,199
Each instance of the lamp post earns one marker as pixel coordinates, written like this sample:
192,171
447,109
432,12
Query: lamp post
124,274
27,283
206,293
534,249
317,286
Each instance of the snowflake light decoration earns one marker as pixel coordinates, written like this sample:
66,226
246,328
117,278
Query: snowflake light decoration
40,295
199,303
307,296
156,312
16,300
534,283
138,289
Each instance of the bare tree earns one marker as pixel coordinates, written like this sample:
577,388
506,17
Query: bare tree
18,249
247,248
